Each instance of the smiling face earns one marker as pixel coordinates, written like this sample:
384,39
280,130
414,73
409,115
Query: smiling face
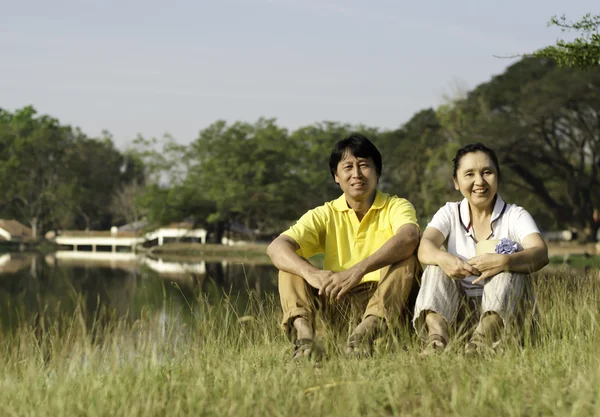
356,176
477,179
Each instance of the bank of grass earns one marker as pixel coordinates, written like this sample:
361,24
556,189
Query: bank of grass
189,252
576,261
222,362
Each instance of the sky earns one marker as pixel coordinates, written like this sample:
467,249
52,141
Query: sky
153,67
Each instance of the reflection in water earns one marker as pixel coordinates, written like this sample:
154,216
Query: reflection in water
34,288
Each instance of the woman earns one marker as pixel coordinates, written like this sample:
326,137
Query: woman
496,282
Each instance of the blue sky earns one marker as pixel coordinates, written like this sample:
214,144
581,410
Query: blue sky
153,67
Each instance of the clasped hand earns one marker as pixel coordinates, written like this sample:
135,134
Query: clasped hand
483,266
334,284
488,265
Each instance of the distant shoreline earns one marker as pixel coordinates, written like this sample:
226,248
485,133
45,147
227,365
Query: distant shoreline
256,252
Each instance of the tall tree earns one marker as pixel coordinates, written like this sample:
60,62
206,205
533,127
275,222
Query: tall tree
312,146
547,137
34,181
583,51
247,170
100,171
54,176
414,166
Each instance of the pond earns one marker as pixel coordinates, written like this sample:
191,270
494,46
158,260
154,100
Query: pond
35,287
58,285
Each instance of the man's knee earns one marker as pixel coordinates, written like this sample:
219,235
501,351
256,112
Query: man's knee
287,281
407,269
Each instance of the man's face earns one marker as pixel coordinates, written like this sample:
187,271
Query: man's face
357,177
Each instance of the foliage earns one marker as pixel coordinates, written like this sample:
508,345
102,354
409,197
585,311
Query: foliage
547,138
34,181
583,51
52,176
253,180
247,171
416,167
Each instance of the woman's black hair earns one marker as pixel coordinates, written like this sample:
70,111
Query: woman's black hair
475,147
359,146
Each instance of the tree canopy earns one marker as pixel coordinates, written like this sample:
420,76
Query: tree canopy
583,51
255,179
53,176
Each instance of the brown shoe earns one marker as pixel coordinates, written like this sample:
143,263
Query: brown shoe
436,344
307,349
359,345
479,345
360,342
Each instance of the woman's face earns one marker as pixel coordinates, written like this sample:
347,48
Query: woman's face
477,179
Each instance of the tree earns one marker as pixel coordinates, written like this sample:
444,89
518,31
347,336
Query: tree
125,203
54,176
99,171
312,146
34,181
161,200
547,137
248,172
413,164
583,51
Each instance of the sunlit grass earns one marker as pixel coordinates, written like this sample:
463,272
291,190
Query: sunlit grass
211,359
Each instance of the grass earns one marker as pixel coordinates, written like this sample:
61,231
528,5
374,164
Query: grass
213,358
250,252
576,260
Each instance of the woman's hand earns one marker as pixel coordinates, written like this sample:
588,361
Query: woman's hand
489,264
455,267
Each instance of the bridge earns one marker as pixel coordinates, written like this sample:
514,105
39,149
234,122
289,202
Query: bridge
115,241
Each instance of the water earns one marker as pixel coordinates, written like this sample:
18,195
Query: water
57,285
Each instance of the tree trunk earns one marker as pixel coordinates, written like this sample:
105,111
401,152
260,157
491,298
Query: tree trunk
218,232
590,232
34,226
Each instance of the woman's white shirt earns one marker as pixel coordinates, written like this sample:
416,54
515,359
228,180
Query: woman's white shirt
453,221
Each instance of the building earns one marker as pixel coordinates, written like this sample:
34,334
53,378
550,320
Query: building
112,241
175,232
116,241
14,231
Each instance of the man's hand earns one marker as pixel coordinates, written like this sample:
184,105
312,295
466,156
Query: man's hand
341,282
455,267
489,264
318,279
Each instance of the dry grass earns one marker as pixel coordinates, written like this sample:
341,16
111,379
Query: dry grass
213,359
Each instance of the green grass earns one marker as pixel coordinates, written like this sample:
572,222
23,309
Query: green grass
211,359
576,260
251,252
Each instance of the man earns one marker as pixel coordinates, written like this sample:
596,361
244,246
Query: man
368,239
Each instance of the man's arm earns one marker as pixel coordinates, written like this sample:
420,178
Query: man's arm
282,252
398,248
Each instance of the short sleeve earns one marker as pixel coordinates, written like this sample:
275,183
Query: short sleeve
401,212
309,232
521,224
442,220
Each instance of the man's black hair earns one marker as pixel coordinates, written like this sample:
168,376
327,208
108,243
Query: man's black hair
359,146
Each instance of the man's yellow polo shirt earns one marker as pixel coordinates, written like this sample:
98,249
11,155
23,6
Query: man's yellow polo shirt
334,229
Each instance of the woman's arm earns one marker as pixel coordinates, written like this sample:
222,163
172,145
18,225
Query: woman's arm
431,254
532,258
